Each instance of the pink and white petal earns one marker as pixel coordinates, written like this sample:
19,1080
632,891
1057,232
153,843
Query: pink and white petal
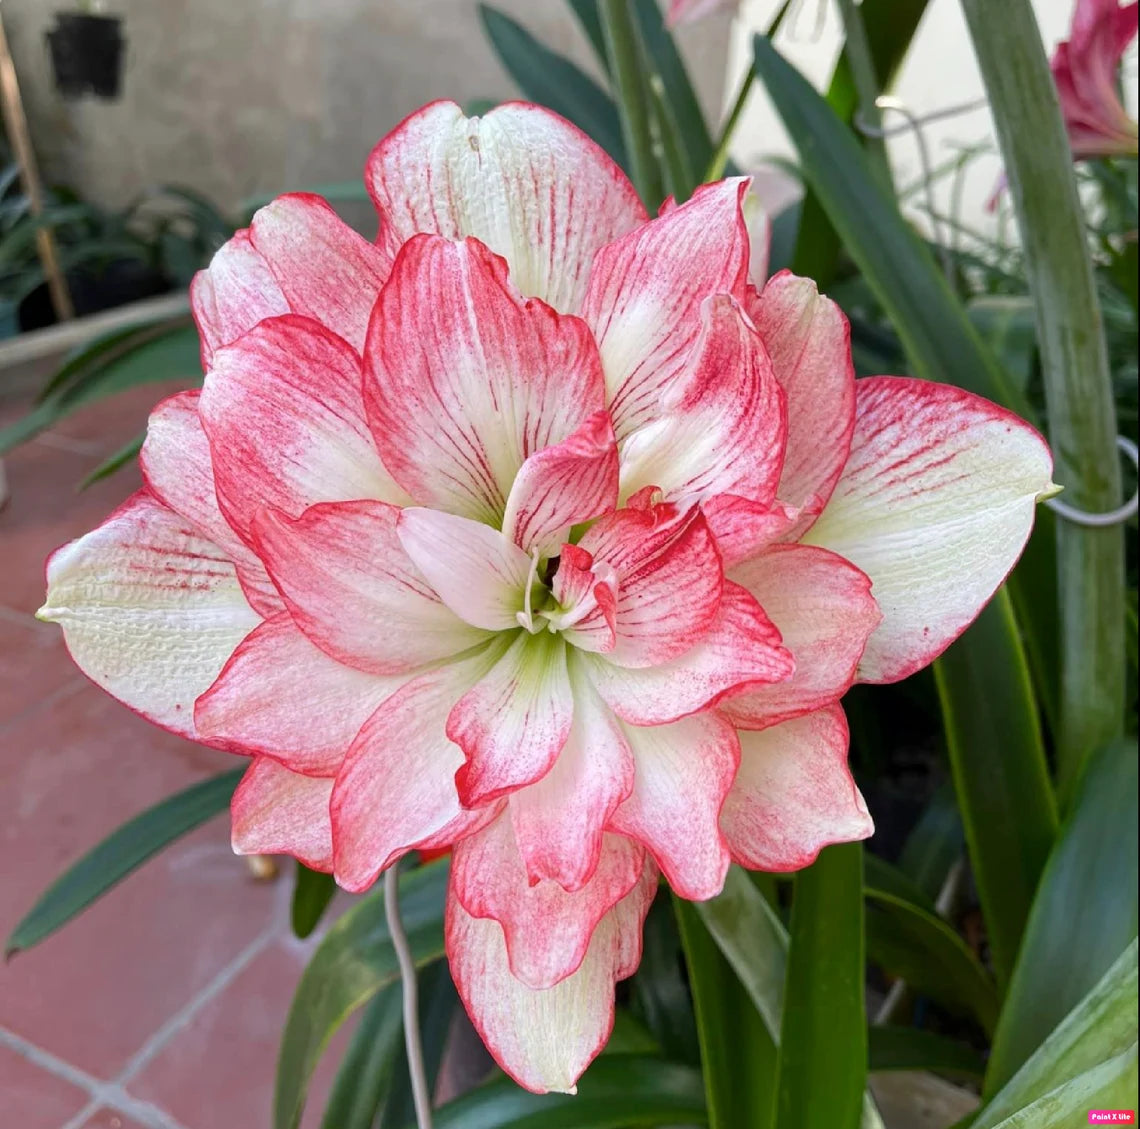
741,648
571,482
278,812
935,505
481,575
683,772
689,11
547,929
794,794
809,342
743,528
586,599
466,379
558,821
824,609
353,589
512,724
150,610
722,424
283,411
544,1039
327,271
522,180
176,466
759,241
645,294
234,293
396,789
280,696
669,580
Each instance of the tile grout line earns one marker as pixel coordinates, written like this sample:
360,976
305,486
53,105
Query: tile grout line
72,686
185,1014
99,1093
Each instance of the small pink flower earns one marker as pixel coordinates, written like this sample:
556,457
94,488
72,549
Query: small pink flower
1085,71
535,530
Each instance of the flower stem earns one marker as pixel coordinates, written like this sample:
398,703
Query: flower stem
720,158
420,1094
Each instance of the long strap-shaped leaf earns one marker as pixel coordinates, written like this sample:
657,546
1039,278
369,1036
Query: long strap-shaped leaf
353,962
123,851
1074,364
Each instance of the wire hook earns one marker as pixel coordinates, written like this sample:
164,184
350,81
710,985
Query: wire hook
1110,517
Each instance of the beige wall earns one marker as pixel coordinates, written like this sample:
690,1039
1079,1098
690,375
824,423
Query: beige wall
235,97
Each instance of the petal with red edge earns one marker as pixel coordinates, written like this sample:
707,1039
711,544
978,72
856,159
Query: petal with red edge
396,789
547,930
586,597
283,411
793,795
512,724
477,572
571,482
278,812
176,466
721,428
353,589
150,610
465,379
824,609
558,821
683,772
741,647
234,293
528,184
327,271
645,293
935,505
743,528
281,696
544,1039
809,341
669,580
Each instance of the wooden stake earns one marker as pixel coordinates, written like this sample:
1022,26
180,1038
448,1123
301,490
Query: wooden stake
16,125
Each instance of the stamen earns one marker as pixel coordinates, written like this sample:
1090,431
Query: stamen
526,616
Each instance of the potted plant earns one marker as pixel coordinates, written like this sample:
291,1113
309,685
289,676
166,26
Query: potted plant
86,49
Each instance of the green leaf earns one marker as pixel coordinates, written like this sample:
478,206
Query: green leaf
738,1055
939,340
115,461
1084,914
617,1091
1000,773
907,1048
1074,366
677,93
591,22
878,874
552,80
935,843
923,950
353,962
823,1038
312,892
438,1002
367,1069
123,851
1097,1033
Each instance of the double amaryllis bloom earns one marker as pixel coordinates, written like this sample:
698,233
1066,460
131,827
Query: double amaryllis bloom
536,529
1085,70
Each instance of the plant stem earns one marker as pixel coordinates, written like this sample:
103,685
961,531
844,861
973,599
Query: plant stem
858,52
720,158
420,1095
1074,362
633,98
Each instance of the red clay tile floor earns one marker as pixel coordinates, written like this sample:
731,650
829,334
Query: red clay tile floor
161,1006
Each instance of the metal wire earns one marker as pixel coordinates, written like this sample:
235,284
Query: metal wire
1111,517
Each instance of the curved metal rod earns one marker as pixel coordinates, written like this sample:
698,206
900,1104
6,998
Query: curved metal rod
1111,517
421,1095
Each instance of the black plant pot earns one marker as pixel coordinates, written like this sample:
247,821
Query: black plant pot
86,54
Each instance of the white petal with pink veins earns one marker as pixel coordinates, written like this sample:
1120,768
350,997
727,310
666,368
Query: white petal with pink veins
935,505
275,811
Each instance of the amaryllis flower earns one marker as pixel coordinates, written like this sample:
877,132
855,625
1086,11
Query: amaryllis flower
535,529
689,11
1085,70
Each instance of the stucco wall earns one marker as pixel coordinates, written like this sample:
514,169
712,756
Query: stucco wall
236,97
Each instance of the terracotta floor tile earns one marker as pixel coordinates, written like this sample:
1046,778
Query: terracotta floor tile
110,1119
34,664
92,993
234,1042
31,1098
